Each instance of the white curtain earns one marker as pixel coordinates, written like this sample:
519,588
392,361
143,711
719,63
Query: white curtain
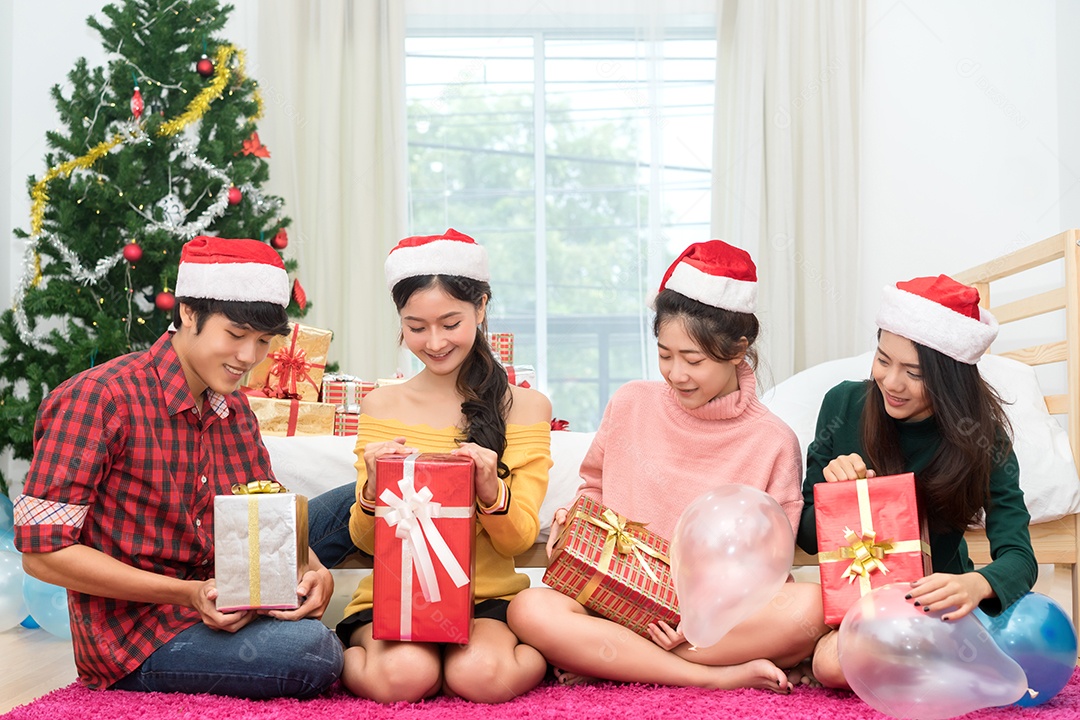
332,79
785,168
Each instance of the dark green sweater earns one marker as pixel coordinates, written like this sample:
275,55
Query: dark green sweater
1012,571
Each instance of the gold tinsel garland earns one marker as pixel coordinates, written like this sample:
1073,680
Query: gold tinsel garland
201,103
194,111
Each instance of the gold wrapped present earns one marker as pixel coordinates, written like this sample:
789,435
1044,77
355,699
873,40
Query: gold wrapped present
294,365
285,417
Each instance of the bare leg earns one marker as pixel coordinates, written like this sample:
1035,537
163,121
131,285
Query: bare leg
785,631
389,672
827,662
494,667
572,639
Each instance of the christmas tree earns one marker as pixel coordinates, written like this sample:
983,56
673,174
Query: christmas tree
156,148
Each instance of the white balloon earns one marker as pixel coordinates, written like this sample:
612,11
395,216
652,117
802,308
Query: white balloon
730,554
908,663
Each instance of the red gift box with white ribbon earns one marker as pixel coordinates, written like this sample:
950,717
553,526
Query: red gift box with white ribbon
425,532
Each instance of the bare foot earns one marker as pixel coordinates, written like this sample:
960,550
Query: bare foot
827,662
803,674
757,674
569,679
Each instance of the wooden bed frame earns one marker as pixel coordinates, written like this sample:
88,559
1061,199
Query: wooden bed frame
1056,542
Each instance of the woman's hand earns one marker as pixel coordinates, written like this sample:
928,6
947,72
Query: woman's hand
375,450
846,467
487,471
664,635
942,591
556,529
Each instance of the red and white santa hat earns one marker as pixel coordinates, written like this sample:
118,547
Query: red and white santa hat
451,253
240,270
941,314
716,274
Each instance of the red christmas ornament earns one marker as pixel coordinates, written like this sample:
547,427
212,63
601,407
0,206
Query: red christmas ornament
298,294
165,301
204,67
235,196
280,241
132,252
253,146
136,103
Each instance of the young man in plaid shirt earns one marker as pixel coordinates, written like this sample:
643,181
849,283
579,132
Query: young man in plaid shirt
118,504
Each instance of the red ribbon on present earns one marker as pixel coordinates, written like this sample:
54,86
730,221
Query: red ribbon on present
291,365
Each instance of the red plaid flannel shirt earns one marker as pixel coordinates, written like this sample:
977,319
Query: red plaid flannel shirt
124,463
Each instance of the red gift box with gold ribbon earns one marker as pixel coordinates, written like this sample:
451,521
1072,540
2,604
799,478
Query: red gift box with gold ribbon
614,567
425,532
870,533
294,364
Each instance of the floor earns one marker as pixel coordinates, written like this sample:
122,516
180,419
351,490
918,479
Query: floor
33,662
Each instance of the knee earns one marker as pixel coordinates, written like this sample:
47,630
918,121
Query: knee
320,654
826,663
477,677
526,612
403,674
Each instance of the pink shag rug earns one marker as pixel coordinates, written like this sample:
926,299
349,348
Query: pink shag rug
547,701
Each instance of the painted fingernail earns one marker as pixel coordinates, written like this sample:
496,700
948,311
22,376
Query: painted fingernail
926,609
945,619
917,603
908,597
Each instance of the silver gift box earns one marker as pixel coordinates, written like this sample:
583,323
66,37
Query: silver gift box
260,550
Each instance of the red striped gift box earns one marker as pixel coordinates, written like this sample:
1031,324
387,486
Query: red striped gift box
614,567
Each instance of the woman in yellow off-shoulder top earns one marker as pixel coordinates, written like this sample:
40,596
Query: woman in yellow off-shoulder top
462,403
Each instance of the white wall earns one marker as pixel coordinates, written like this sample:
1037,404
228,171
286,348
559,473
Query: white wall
961,157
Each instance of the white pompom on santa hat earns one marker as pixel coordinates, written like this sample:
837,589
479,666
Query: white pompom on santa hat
716,274
239,270
941,314
451,253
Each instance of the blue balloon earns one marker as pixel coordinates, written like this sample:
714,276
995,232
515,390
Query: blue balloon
7,541
7,512
1036,633
48,606
30,623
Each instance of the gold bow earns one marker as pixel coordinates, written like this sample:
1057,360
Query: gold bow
618,538
258,487
865,553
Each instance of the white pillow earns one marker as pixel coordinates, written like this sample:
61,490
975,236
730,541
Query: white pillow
567,451
1047,472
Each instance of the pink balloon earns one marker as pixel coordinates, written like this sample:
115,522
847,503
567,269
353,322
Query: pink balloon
731,553
908,663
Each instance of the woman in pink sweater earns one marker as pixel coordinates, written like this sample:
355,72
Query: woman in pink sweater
659,447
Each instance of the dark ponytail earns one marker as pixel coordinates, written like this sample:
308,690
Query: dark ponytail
482,381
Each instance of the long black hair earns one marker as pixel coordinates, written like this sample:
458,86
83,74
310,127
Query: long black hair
721,334
975,437
481,381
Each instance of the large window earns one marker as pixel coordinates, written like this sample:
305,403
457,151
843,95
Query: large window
582,162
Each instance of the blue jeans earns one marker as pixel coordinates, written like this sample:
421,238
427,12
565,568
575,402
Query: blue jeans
266,658
328,524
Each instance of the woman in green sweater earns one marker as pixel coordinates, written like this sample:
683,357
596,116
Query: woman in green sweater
927,410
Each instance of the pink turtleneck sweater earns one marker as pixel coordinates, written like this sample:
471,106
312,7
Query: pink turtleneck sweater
651,457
